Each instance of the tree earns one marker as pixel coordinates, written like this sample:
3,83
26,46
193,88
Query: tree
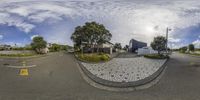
38,44
126,47
64,47
183,49
77,37
90,34
159,44
191,47
117,46
55,47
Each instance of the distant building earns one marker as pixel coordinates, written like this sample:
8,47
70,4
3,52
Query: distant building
5,47
134,45
105,47
43,51
49,45
146,50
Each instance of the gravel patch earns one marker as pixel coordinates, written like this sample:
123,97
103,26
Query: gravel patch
125,69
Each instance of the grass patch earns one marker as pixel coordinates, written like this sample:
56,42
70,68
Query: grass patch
156,56
191,53
93,57
17,55
195,54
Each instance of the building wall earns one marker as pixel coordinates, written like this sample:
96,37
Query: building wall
148,50
135,45
106,48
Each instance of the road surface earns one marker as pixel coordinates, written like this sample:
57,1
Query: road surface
56,77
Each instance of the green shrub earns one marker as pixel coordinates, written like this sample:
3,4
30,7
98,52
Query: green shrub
101,53
104,58
94,57
156,56
183,49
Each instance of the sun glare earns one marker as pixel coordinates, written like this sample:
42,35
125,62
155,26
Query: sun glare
150,30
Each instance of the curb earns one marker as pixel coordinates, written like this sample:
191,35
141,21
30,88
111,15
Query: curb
193,55
122,86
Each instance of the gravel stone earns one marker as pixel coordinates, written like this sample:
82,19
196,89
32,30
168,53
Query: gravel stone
125,69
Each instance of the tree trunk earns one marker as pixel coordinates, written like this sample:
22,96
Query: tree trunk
158,52
91,47
97,49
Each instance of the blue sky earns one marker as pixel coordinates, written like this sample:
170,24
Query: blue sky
55,20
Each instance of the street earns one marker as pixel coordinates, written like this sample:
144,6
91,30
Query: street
56,77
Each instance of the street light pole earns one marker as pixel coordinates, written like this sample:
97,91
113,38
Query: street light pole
167,32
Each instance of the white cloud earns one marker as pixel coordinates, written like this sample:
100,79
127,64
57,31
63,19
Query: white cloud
15,44
33,36
176,45
196,43
7,19
174,40
126,19
1,37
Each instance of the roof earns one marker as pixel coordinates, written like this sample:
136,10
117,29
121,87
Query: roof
136,41
109,42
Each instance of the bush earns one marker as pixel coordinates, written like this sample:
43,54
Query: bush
93,57
104,58
156,56
183,49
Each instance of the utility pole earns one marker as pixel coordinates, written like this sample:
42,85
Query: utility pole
167,32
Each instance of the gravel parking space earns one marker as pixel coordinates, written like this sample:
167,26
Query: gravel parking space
125,69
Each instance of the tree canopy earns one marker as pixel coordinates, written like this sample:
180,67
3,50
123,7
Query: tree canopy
38,43
126,47
159,44
90,34
117,46
57,47
183,49
191,47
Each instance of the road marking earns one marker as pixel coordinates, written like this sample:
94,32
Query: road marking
22,66
23,72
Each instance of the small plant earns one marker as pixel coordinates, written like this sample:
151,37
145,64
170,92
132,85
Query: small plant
104,58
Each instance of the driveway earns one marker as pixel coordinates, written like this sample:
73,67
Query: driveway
56,77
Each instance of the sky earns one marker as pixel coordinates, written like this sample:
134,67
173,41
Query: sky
142,20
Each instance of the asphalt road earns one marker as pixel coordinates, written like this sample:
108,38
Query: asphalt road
56,77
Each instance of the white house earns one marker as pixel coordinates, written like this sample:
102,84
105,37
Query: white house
105,47
5,47
146,50
43,51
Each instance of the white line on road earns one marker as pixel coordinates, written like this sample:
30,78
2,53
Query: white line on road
22,66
